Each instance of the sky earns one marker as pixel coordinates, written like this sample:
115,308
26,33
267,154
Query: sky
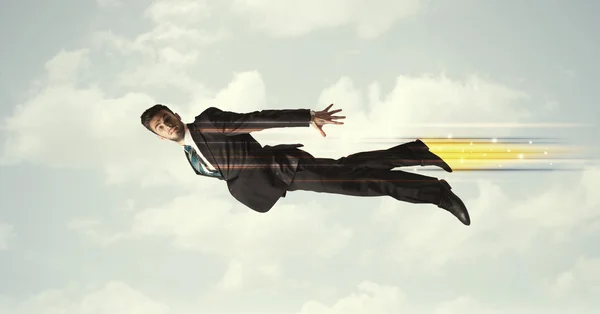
99,216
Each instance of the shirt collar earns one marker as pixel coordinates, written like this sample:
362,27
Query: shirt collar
187,139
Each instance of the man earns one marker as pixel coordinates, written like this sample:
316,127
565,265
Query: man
218,144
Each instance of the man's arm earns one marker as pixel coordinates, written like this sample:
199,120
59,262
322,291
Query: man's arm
233,123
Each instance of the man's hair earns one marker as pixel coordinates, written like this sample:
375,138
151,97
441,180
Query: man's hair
150,113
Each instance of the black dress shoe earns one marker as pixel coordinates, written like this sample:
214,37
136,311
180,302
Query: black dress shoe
430,159
453,204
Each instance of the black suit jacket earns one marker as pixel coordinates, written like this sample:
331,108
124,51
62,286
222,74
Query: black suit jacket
256,176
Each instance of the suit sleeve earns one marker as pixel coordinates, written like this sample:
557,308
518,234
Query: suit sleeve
233,123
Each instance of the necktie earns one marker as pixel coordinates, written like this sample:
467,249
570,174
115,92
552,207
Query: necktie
198,163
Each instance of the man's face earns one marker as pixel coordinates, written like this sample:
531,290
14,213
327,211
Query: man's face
168,126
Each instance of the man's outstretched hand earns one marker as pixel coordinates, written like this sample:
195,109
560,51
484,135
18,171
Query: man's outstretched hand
326,117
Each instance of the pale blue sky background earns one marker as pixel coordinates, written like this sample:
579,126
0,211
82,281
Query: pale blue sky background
97,216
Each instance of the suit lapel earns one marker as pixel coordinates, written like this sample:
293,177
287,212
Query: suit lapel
203,146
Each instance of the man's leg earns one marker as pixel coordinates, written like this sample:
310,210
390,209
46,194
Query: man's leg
326,175
414,153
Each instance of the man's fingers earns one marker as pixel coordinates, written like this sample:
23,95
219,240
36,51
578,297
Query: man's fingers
325,117
323,122
319,128
334,121
328,117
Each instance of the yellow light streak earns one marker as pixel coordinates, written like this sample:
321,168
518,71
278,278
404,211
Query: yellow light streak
466,154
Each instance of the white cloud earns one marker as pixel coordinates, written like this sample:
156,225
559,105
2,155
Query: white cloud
366,297
93,230
468,305
413,108
109,3
178,11
295,18
225,228
233,277
583,278
415,101
69,124
68,66
114,297
553,216
246,92
257,246
109,133
370,298
161,57
6,232
554,209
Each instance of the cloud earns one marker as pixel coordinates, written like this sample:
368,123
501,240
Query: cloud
6,232
256,244
68,66
80,116
467,305
428,99
109,3
233,277
377,120
192,218
93,230
373,297
582,279
161,57
87,129
113,297
246,92
370,298
366,297
536,220
296,18
178,11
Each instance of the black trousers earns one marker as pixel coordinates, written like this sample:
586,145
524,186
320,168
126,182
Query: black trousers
369,174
